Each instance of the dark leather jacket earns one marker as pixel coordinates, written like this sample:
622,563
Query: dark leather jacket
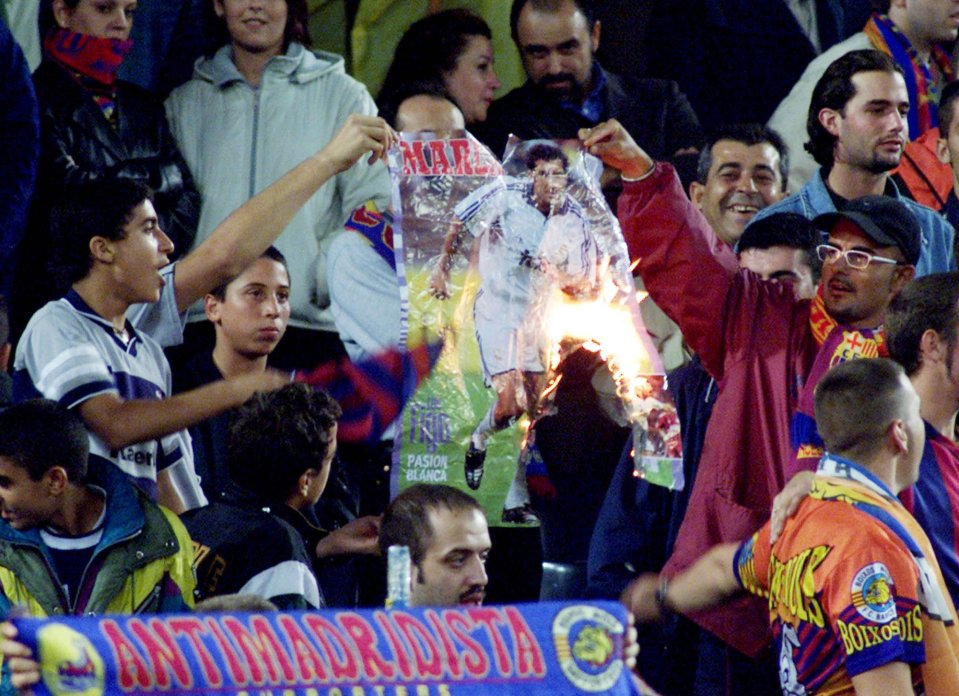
78,144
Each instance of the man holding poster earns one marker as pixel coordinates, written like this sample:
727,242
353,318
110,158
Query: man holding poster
532,237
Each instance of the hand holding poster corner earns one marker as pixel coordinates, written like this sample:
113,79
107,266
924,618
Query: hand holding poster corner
548,648
516,265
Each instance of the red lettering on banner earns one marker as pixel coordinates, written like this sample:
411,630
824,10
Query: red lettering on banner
527,654
162,652
262,652
461,157
399,650
342,662
132,670
374,665
267,636
191,627
453,667
477,663
238,674
427,665
440,164
414,161
308,660
489,618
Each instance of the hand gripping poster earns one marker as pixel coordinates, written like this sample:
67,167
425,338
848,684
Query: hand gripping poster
515,265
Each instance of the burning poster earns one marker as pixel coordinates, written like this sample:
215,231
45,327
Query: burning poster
516,265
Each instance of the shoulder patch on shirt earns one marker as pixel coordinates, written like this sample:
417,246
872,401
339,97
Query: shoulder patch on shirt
872,593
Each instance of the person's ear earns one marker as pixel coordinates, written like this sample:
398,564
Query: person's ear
56,479
902,276
829,119
303,483
930,347
101,249
594,35
219,8
211,306
696,193
62,14
897,437
942,151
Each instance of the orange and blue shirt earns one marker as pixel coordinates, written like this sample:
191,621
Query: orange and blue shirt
843,584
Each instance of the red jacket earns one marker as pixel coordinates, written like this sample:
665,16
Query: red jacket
753,336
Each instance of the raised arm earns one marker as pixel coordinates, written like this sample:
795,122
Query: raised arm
687,270
248,231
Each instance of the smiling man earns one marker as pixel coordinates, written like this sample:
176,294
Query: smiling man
448,538
766,347
742,169
858,126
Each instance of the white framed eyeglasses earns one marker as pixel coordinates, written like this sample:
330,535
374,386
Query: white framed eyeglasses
854,257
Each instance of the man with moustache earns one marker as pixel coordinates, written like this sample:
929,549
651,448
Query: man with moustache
857,126
763,344
448,538
742,169
567,89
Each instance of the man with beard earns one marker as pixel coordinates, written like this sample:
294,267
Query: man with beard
567,89
765,346
857,126
448,538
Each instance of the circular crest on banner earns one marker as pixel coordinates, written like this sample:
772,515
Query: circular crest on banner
588,643
69,664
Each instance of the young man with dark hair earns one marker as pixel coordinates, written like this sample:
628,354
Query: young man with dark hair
262,537
917,35
857,126
448,538
88,353
249,315
855,597
69,523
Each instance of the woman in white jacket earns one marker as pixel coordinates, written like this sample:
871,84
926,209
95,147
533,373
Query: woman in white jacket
253,110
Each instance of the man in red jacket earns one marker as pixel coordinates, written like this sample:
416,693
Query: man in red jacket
765,347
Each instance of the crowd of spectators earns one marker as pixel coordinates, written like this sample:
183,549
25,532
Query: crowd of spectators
184,307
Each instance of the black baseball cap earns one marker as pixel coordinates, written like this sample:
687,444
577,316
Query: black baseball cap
885,220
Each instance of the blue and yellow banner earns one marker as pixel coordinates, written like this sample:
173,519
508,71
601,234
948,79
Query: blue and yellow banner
548,648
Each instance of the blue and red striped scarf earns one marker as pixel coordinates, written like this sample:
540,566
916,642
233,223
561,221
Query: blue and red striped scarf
836,344
372,392
923,81
92,61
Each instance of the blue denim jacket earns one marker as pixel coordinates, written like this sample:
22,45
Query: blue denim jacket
937,235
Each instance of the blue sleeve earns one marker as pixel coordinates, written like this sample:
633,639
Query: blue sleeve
19,150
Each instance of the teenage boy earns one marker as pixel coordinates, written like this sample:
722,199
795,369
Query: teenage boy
85,352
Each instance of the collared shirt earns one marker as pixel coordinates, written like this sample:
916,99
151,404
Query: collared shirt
593,107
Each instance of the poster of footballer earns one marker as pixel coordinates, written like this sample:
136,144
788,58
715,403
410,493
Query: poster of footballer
514,265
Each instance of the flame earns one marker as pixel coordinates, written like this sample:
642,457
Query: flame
602,324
